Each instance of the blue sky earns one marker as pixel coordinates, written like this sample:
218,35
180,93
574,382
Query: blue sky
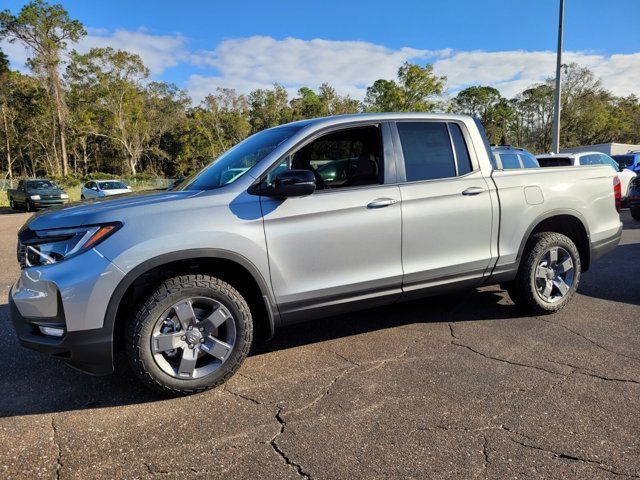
201,45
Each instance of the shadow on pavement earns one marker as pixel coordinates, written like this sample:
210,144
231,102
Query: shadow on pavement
34,383
615,277
464,306
9,211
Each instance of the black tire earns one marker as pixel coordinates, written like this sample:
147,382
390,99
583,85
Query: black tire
82,197
12,204
523,290
140,329
635,213
28,206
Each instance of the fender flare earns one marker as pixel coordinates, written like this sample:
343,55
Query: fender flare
545,216
209,253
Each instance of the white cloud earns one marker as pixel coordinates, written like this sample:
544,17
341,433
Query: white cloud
158,52
513,71
258,62
261,61
350,66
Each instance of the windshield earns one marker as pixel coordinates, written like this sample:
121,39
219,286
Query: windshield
41,184
112,186
232,164
623,160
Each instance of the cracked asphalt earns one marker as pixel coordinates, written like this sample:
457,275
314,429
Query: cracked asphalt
461,386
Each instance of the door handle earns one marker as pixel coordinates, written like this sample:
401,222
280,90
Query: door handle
381,202
473,191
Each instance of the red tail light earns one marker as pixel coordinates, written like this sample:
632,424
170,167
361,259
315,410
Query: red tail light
617,192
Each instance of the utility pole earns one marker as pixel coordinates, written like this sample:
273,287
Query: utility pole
555,145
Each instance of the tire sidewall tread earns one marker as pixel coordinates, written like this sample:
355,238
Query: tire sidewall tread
166,294
523,291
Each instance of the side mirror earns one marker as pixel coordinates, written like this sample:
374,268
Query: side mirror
294,183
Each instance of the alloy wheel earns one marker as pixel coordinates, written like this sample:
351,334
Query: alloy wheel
193,338
554,274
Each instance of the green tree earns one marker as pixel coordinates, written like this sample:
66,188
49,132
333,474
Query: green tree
307,105
268,108
45,30
417,89
487,104
117,79
5,113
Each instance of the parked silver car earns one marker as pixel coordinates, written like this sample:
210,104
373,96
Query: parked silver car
103,188
185,280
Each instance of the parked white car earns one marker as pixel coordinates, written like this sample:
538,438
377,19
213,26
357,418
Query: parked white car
103,188
589,158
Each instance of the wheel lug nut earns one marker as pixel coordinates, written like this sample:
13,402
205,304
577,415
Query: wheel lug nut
201,329
191,346
183,337
190,327
202,340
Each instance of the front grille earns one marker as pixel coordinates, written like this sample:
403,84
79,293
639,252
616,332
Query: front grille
22,255
50,197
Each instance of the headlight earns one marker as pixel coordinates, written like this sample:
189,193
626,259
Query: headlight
35,197
45,247
64,195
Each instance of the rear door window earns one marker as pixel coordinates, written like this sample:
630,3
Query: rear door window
460,147
427,151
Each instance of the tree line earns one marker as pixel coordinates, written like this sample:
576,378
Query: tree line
100,111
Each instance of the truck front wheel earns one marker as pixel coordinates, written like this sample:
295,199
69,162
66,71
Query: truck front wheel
192,333
549,273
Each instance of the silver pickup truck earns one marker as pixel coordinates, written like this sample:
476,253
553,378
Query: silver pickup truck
301,221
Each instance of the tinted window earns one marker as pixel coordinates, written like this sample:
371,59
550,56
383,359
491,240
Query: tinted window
427,150
555,162
460,146
235,162
112,186
41,184
528,160
623,160
346,158
509,160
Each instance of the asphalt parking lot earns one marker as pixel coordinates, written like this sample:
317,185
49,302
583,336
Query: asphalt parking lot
463,386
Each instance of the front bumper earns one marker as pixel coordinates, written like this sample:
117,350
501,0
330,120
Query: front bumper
73,295
48,203
606,245
86,350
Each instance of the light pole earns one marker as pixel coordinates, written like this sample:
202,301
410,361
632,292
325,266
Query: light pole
555,145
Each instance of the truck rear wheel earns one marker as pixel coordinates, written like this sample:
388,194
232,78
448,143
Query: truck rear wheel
191,334
549,273
635,212
12,204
